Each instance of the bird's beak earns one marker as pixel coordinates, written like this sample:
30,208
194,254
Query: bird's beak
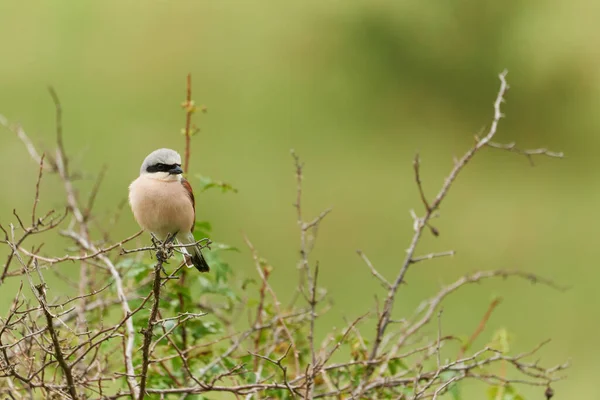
176,170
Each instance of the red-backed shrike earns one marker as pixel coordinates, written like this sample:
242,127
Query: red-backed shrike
163,202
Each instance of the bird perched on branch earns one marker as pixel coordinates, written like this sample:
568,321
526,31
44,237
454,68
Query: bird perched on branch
163,203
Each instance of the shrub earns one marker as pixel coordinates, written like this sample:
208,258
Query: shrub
126,329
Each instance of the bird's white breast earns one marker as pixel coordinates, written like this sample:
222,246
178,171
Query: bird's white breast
161,207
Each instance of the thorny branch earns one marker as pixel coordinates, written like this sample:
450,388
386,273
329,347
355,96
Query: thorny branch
40,293
147,332
422,222
191,341
188,105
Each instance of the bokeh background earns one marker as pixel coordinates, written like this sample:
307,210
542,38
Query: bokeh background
357,88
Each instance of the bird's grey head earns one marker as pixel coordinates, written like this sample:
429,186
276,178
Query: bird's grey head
163,164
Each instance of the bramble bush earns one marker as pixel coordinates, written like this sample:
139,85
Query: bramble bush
129,328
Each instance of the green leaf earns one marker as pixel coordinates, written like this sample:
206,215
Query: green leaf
447,375
247,282
134,269
501,341
201,328
503,393
454,391
221,269
208,183
395,364
223,247
177,364
453,388
202,230
278,394
246,359
250,377
184,291
229,363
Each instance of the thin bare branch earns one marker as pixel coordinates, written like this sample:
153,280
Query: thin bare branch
481,326
37,192
527,153
416,166
431,256
375,273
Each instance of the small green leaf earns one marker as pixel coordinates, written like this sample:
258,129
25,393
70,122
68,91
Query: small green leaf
208,183
246,359
202,230
134,269
395,364
501,341
250,377
201,328
223,247
229,363
247,282
454,391
503,393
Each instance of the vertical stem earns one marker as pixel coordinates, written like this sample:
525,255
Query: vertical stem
188,121
182,308
149,328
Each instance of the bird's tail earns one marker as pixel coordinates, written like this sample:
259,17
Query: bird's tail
193,256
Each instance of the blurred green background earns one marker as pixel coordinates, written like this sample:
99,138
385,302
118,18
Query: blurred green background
357,88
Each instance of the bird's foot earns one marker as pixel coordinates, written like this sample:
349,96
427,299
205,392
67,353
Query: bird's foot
163,254
171,237
155,241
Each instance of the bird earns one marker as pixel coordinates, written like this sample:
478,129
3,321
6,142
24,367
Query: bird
163,203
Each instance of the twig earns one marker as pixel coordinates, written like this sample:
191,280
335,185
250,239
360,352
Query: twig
439,339
37,192
276,303
280,366
422,222
39,292
375,273
82,257
147,332
480,327
527,153
182,308
311,335
305,246
264,275
431,256
94,193
130,335
18,130
203,243
306,278
416,165
62,160
188,105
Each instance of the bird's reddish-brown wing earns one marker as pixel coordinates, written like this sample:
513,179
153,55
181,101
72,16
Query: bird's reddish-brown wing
188,189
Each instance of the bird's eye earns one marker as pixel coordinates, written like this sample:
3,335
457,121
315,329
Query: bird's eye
158,167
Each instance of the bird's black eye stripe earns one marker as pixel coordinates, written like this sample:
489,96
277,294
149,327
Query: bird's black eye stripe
160,167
